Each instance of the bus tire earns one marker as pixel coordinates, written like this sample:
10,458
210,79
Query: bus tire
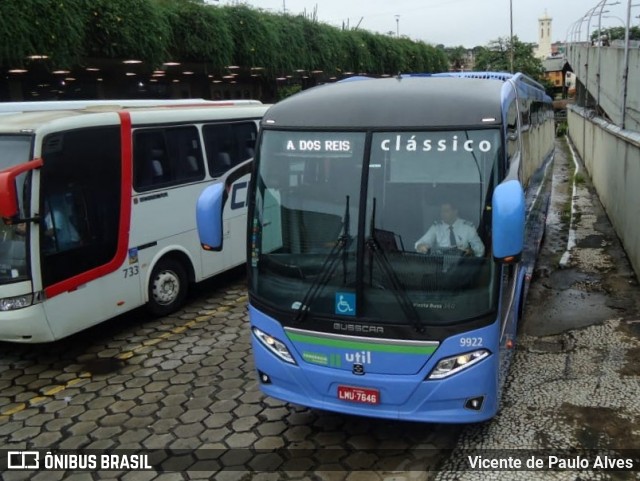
168,287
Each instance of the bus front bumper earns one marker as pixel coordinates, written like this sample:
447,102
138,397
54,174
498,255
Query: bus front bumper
468,396
27,325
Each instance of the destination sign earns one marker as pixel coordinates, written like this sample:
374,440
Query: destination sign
315,145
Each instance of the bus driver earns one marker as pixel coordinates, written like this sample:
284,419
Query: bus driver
450,232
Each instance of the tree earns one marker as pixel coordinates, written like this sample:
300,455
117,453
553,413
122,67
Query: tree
456,57
496,57
616,33
69,32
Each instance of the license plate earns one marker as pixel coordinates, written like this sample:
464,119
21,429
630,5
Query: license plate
358,395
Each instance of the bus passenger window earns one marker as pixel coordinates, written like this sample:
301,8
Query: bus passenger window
512,132
148,158
165,157
185,153
227,145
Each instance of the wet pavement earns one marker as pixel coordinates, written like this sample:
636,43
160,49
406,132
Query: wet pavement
186,382
597,282
575,379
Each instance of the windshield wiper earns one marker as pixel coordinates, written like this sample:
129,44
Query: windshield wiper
397,288
329,266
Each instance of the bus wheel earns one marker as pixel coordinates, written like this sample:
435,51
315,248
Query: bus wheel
167,287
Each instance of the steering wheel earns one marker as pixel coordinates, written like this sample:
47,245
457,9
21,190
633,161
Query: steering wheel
446,251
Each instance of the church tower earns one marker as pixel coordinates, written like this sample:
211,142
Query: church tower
544,36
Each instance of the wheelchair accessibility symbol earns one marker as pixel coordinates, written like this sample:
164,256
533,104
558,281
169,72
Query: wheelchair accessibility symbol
345,304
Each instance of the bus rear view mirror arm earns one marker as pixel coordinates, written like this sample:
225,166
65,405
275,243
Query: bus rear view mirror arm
508,221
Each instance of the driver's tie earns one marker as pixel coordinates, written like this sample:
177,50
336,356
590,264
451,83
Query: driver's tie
452,238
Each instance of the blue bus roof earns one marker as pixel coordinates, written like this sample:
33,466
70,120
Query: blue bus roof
402,102
406,101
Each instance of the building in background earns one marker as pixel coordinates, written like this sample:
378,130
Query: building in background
544,37
558,72
558,49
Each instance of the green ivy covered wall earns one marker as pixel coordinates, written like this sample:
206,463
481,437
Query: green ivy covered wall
63,35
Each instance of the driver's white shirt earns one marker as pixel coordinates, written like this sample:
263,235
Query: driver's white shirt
464,232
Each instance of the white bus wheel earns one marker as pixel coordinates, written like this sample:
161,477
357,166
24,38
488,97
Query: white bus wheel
167,287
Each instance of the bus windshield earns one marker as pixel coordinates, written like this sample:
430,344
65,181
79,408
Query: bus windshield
412,246
14,150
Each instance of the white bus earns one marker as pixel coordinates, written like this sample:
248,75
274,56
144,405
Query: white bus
41,106
98,209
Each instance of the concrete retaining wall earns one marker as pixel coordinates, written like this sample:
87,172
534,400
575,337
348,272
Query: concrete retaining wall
612,157
600,70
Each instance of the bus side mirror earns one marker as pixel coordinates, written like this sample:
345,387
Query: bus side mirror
209,217
9,206
508,221
8,200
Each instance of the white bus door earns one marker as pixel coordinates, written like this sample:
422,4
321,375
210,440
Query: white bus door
84,229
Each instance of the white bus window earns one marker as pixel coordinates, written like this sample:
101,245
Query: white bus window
512,131
14,149
165,157
227,145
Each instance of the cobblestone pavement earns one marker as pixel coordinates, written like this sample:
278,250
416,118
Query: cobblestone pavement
186,382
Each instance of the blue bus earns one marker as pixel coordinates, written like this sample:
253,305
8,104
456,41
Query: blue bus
393,228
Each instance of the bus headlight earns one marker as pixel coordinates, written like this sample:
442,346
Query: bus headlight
274,345
17,302
451,365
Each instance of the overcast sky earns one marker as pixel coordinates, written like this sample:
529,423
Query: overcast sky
450,22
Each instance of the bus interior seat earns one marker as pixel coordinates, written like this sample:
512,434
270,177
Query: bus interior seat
156,167
192,164
313,215
151,170
320,230
339,185
188,167
249,153
291,220
223,162
319,223
398,217
309,219
249,148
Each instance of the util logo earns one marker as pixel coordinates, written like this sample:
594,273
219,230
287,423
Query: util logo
361,357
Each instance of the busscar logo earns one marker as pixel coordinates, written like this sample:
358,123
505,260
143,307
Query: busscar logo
341,326
23,460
